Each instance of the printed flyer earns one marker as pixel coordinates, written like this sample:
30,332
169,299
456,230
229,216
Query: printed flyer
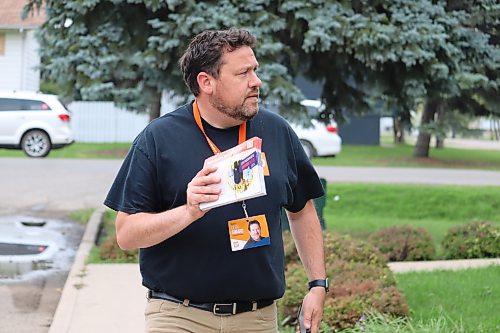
241,172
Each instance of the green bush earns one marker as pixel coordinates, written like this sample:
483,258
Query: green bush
404,243
109,250
472,240
361,282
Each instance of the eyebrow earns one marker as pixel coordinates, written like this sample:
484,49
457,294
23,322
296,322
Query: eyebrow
246,67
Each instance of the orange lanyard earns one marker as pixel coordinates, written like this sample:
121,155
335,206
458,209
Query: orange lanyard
241,134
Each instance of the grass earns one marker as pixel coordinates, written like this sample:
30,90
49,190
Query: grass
352,155
80,150
377,323
81,216
402,156
364,208
467,296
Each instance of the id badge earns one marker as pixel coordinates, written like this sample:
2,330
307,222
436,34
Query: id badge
248,232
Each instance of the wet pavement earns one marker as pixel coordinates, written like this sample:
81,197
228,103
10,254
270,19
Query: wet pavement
29,293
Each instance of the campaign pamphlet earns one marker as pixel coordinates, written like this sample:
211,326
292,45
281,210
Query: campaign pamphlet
241,171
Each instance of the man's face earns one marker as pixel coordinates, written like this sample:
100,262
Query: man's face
236,90
255,231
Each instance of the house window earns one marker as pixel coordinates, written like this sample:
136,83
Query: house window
2,43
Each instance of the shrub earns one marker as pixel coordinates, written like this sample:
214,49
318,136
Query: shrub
360,282
347,249
404,243
472,240
109,250
338,248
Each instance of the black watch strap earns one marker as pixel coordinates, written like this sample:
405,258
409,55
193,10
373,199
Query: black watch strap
320,283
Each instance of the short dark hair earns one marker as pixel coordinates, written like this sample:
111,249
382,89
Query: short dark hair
204,53
253,222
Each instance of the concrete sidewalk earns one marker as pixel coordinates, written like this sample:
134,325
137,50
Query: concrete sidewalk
110,297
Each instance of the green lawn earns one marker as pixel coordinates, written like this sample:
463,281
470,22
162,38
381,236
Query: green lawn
469,297
401,156
381,156
363,208
79,150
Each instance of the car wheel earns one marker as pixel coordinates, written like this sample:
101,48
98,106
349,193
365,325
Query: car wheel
36,143
308,148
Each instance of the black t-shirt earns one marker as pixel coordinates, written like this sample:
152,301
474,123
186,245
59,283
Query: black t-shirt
198,263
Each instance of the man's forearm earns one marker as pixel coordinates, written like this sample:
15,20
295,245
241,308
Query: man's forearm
143,230
308,236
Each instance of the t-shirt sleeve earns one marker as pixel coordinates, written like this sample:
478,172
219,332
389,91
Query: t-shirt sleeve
303,179
135,187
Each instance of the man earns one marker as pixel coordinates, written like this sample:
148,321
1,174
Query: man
196,282
256,238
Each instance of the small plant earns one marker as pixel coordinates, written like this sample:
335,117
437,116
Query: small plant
404,243
472,240
360,282
109,250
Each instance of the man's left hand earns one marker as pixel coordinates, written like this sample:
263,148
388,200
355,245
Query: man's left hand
312,308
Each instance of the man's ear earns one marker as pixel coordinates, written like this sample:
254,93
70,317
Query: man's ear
205,82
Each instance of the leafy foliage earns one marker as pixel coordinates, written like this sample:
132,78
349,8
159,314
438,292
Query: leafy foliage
361,282
404,243
110,251
362,52
472,240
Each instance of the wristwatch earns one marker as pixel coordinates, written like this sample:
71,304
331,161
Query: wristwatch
320,283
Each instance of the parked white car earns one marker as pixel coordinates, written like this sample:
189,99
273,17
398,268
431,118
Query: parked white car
33,122
320,139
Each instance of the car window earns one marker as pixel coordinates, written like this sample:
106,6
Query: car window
17,104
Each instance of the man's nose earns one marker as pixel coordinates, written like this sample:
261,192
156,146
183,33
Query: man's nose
255,81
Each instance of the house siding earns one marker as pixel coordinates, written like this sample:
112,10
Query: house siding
31,75
17,64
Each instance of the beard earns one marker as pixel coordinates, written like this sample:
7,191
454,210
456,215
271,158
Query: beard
244,112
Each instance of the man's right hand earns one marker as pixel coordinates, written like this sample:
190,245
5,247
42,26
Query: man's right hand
202,188
141,230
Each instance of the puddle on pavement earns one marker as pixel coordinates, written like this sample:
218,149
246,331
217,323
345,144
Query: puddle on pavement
31,246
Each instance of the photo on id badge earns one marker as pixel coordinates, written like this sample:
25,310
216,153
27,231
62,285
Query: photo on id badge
247,233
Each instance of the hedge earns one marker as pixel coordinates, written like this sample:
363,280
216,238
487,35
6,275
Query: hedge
472,240
404,243
361,283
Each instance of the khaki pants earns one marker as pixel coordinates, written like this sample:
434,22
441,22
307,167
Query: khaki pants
169,317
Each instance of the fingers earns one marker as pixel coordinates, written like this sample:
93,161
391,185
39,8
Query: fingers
204,187
313,310
206,176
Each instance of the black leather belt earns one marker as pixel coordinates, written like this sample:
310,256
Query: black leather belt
220,309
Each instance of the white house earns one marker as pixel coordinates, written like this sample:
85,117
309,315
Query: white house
18,47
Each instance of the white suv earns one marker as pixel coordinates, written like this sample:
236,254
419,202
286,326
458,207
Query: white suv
319,139
33,122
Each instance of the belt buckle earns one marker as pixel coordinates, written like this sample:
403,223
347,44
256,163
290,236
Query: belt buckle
216,309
